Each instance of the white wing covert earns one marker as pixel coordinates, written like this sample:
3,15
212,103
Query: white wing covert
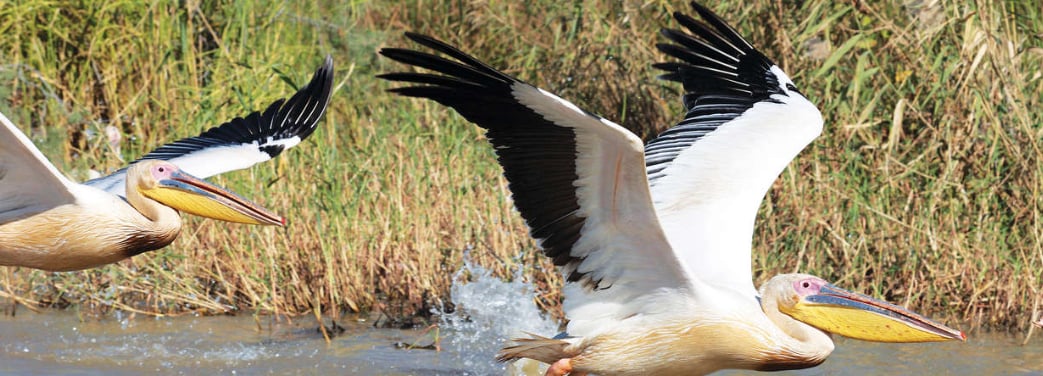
745,122
243,142
29,183
577,180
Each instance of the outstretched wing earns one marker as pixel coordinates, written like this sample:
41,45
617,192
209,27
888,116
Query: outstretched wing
745,121
577,179
29,183
243,142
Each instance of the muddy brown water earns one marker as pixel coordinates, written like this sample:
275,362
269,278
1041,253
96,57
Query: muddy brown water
60,343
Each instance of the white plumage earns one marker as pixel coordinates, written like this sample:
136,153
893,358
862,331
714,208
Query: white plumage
243,141
642,243
654,241
49,222
30,183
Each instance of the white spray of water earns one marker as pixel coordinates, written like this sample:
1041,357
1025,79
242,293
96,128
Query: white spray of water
488,313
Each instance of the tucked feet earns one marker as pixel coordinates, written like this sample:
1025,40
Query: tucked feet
563,367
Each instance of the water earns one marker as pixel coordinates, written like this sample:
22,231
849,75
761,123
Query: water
492,312
59,343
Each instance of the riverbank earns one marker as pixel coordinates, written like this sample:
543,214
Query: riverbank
924,189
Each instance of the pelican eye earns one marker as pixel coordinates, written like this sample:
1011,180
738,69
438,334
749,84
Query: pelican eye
806,284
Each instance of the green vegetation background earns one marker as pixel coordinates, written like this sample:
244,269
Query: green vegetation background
924,188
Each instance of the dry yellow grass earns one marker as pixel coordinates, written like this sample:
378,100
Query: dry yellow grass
924,188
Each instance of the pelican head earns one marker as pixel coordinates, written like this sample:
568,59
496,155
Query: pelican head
165,183
818,303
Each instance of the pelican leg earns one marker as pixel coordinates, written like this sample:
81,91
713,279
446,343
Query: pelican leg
563,367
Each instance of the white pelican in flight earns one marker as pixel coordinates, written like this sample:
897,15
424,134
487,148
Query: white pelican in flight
243,142
49,222
654,240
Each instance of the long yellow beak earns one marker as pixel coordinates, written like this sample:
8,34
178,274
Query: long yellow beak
858,316
193,195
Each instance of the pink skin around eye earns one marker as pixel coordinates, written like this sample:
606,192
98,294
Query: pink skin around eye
162,171
808,286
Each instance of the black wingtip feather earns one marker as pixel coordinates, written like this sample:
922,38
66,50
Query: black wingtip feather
458,71
722,74
538,156
718,23
284,118
714,56
455,53
708,50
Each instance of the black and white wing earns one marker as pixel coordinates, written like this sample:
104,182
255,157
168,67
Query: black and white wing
745,122
29,183
577,179
243,142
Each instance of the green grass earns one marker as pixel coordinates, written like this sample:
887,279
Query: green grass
924,188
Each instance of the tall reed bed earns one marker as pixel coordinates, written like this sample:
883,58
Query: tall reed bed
924,188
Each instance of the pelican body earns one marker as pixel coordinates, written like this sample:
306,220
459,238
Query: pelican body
93,227
654,240
49,222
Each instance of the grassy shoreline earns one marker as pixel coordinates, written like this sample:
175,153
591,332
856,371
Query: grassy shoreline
924,188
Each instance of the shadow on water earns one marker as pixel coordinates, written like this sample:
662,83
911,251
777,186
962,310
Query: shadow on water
59,343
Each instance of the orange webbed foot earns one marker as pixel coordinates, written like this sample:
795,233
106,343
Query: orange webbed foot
563,367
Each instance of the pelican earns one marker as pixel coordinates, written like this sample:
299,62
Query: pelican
49,222
654,240
243,142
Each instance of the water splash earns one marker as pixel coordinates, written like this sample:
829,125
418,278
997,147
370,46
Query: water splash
488,313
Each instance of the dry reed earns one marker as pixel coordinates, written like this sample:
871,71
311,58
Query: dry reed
924,188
